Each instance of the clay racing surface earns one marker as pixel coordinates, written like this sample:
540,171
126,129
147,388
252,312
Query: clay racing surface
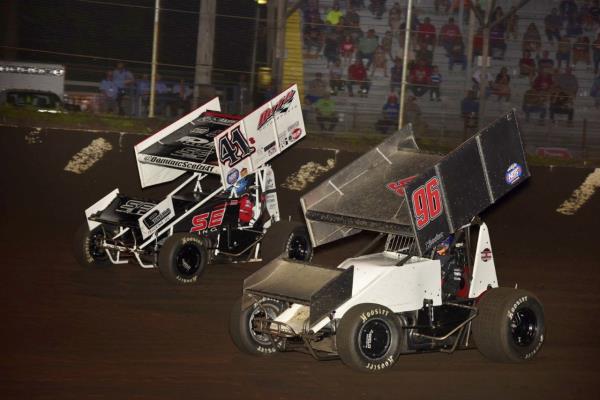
124,333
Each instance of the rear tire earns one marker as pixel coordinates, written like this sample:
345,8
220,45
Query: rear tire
510,326
240,327
86,247
288,239
182,258
369,338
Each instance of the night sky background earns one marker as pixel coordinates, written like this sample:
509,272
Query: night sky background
124,32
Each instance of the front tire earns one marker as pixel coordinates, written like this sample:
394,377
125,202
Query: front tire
182,259
510,326
240,327
369,338
288,239
87,247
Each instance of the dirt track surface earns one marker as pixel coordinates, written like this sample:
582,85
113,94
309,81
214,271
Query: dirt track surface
123,332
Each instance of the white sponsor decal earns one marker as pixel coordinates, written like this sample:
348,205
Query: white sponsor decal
581,195
88,156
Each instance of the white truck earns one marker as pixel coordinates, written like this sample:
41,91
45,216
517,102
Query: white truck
432,288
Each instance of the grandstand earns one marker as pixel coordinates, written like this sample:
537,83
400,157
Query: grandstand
443,119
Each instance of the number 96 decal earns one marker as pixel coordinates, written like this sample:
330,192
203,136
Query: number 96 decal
427,202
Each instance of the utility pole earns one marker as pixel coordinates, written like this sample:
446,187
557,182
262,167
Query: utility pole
279,54
203,89
405,64
154,58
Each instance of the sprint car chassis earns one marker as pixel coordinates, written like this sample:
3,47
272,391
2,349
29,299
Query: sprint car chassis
434,285
224,204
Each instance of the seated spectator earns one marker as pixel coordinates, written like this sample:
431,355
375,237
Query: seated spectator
424,53
332,47
336,82
567,82
486,81
426,33
367,46
497,15
568,8
581,50
574,28
395,18
543,82
313,40
501,85
379,62
563,51
596,52
435,81
386,43
326,113
357,75
443,5
553,25
527,66
334,15
469,110
377,8
457,54
534,101
396,74
595,91
448,33
545,63
347,49
352,18
108,94
316,89
561,103
532,41
389,115
419,78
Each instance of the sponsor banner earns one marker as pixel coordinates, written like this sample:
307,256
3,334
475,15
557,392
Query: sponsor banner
260,136
178,164
156,217
554,152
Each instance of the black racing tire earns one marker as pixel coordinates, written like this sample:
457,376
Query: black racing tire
182,258
289,239
86,247
369,338
240,327
510,326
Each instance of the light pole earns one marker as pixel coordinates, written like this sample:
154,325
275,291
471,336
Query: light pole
405,64
154,57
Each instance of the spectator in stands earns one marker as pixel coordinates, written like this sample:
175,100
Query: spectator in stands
574,27
419,78
477,45
395,18
352,18
163,96
498,42
501,85
126,84
553,25
512,24
386,43
469,110
182,97
313,37
596,53
443,5
332,47
543,82
532,41
336,81
412,111
448,33
581,50
497,15
357,4
424,53
367,46
568,8
563,51
561,103
108,94
334,15
326,113
357,75
435,82
142,90
534,101
311,10
347,49
457,54
379,62
585,16
527,66
377,8
567,82
426,33
486,81
389,115
545,62
316,89
396,74
595,91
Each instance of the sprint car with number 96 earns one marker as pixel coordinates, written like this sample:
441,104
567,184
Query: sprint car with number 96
224,207
434,285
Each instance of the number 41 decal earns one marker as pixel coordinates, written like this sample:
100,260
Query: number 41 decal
427,202
234,147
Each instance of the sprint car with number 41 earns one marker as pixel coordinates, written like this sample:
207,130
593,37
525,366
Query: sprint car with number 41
224,207
434,285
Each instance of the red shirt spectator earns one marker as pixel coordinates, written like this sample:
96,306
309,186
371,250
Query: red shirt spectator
426,33
357,72
420,74
543,82
449,31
